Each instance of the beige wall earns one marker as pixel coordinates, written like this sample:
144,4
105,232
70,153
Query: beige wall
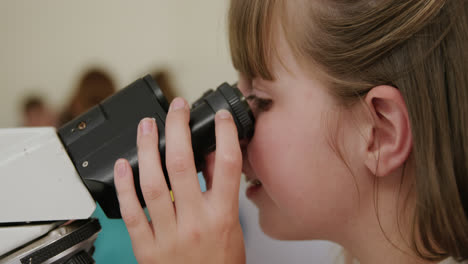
45,45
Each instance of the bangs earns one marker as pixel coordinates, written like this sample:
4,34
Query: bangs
250,36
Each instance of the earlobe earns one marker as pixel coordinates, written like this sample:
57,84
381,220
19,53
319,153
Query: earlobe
390,138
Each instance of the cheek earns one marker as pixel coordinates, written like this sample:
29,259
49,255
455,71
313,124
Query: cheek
288,155
303,177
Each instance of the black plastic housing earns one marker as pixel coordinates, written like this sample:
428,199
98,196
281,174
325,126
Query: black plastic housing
107,132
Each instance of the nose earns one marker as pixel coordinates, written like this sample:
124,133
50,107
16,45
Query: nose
246,168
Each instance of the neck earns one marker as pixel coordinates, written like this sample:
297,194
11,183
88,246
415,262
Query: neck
381,231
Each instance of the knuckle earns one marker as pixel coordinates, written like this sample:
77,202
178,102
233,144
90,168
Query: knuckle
225,222
151,191
225,226
123,190
169,247
232,158
177,165
131,219
193,237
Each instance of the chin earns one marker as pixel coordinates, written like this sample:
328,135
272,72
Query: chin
280,230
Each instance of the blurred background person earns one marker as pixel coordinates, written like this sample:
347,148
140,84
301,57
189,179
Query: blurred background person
35,112
94,86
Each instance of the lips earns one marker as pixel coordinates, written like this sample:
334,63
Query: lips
248,172
253,187
253,182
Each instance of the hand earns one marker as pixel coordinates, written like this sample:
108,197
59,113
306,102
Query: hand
205,227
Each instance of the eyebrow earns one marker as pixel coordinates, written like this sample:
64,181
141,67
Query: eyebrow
262,85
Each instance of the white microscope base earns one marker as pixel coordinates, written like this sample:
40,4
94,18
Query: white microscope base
13,237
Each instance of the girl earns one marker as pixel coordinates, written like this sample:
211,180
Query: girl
360,137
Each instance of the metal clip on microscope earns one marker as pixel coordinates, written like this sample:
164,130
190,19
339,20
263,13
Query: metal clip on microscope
49,177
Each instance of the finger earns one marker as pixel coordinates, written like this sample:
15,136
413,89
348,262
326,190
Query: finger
130,208
152,181
179,158
228,161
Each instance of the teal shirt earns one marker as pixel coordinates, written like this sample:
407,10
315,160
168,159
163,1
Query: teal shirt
113,244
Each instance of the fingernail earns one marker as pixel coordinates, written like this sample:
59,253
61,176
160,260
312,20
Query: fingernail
121,168
224,114
146,126
177,103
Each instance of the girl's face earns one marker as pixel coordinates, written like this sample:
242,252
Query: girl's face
306,189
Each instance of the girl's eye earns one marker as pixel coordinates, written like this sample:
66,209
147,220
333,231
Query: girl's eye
259,104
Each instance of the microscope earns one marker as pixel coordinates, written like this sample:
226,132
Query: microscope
50,180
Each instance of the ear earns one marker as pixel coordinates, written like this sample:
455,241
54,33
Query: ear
390,140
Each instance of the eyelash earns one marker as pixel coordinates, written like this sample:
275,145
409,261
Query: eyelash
260,104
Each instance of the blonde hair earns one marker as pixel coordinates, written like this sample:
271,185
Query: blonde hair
417,46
